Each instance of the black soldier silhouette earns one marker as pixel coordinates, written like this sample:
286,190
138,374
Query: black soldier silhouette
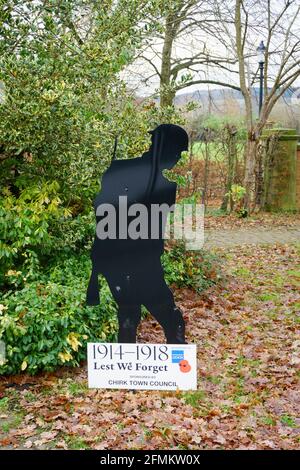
132,267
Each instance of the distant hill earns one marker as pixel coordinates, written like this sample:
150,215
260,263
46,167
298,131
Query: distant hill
223,94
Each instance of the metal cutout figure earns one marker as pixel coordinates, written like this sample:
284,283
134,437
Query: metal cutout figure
132,267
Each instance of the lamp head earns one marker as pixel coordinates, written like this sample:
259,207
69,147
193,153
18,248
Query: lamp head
261,52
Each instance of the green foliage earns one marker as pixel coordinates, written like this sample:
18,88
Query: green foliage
237,192
218,124
218,135
72,234
58,127
46,323
25,222
195,269
173,174
62,103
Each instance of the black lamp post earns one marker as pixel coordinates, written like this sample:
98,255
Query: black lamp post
261,61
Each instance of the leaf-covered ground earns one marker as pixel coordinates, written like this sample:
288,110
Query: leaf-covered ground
216,220
247,331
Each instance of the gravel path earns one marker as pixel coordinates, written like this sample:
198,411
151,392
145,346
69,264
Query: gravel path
251,236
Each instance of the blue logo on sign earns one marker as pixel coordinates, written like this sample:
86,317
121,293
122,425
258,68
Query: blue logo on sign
177,355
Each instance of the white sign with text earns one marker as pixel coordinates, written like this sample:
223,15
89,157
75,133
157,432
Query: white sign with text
142,366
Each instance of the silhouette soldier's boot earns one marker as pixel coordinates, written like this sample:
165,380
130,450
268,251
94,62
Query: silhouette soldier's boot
175,330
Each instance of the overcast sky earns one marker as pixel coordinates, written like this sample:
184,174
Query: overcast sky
187,45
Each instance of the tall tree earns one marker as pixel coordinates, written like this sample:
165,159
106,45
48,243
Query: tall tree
278,24
181,48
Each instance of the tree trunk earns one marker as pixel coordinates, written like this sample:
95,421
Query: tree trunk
259,176
206,174
250,176
166,93
231,169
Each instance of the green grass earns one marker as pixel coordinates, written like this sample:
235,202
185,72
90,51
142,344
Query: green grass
5,427
76,388
268,421
288,420
194,398
76,443
294,276
215,212
12,422
215,150
214,379
4,404
30,396
147,432
242,272
269,297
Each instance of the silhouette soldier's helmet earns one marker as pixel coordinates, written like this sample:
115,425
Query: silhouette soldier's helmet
167,143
